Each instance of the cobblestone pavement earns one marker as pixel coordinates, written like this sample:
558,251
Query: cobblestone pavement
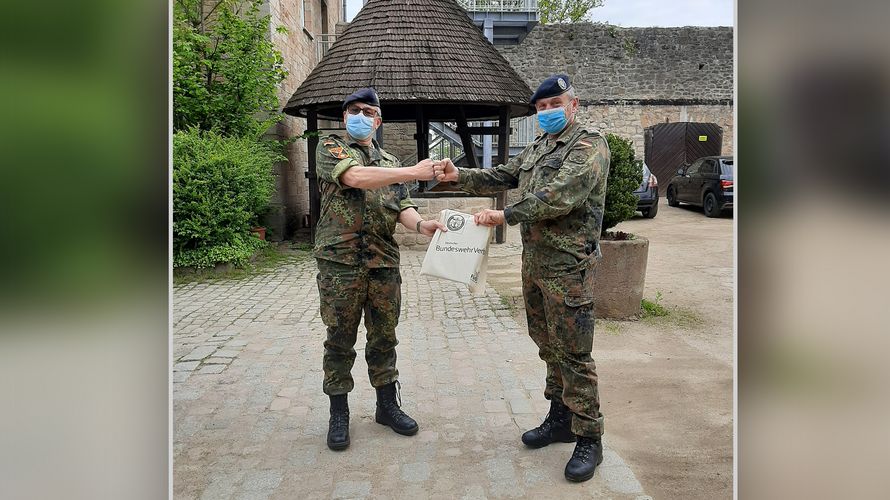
250,418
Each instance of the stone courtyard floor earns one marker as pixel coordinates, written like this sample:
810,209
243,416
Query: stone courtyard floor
250,418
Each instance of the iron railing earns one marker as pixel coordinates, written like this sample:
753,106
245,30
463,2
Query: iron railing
323,44
499,5
525,129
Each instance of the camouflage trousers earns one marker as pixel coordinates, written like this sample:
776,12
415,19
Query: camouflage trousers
346,292
560,321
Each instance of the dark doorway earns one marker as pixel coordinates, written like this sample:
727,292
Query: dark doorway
668,146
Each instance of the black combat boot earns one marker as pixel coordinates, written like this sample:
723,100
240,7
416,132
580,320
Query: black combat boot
389,413
338,425
556,428
587,455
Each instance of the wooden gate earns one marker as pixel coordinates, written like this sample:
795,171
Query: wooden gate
668,146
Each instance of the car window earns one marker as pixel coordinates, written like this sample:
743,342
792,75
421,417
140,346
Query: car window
709,167
694,168
727,167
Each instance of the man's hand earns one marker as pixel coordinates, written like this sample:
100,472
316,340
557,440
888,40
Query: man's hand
448,172
424,170
428,227
488,217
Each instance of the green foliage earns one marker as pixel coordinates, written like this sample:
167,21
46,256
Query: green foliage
565,11
625,176
226,71
631,47
237,252
653,309
220,187
267,259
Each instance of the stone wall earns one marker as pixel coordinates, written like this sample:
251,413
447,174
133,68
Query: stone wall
631,78
290,202
630,120
398,139
608,63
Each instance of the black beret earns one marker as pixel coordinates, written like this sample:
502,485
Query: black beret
366,95
552,86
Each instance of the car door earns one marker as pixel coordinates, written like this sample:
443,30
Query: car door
684,191
705,179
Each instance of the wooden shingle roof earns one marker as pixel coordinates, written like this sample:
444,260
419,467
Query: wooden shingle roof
414,52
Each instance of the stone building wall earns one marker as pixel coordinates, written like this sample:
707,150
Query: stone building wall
630,120
608,63
628,79
398,140
290,202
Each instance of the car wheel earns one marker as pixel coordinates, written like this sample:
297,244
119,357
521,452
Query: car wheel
672,197
710,205
650,212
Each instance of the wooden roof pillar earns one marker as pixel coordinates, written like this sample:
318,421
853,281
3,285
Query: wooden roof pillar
314,194
500,233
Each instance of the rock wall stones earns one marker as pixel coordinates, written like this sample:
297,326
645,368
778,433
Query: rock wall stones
608,63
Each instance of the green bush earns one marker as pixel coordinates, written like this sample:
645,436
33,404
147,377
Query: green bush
221,185
625,176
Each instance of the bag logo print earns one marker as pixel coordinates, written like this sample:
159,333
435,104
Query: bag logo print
455,222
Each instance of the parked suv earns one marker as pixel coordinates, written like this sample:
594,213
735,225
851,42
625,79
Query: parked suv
647,194
707,182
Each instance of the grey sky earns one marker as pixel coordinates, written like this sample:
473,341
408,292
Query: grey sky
665,12
644,12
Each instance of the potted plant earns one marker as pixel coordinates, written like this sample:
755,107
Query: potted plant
621,273
259,232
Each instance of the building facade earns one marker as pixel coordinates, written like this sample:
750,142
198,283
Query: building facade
310,27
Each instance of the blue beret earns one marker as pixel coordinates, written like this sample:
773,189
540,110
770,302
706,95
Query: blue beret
552,86
366,95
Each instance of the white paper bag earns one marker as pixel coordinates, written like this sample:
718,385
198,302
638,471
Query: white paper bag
459,254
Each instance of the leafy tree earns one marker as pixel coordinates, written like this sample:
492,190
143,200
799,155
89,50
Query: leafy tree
565,11
226,70
625,176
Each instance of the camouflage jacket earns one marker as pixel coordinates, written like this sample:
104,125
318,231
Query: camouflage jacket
562,183
356,226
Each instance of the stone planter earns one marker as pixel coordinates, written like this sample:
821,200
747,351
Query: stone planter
620,278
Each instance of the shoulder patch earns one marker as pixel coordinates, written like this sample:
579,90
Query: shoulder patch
336,151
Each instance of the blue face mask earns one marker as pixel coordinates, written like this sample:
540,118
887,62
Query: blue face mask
553,120
359,126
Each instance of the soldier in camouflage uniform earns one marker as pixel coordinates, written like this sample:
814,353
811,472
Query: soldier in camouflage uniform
363,195
562,180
